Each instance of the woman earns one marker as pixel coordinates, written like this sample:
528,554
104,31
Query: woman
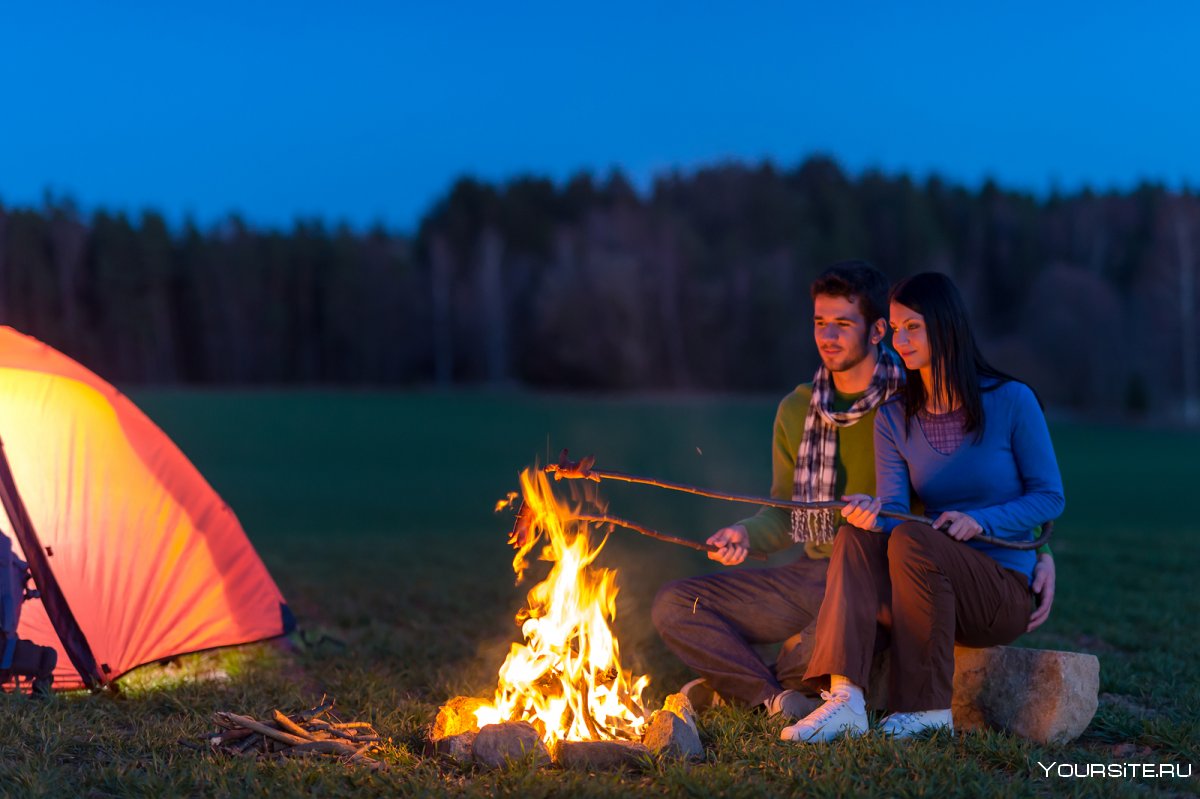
973,443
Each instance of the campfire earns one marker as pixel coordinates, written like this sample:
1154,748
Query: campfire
566,679
563,688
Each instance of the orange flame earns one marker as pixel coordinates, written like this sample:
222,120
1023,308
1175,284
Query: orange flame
566,679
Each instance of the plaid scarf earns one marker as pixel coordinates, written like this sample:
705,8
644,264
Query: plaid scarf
816,471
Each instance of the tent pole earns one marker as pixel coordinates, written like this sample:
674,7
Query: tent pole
68,629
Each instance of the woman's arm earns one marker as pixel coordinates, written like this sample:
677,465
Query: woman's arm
1041,483
891,470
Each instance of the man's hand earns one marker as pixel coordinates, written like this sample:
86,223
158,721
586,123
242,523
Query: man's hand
958,525
1043,588
734,543
862,511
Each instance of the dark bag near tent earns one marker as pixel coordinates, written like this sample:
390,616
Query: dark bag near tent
20,658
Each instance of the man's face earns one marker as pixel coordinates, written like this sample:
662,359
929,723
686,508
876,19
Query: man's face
841,332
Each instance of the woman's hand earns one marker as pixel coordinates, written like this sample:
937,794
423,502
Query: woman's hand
958,525
862,511
1043,588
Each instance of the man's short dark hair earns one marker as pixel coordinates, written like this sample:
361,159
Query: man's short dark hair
856,279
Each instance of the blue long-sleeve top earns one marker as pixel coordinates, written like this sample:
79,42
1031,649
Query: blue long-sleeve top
1008,481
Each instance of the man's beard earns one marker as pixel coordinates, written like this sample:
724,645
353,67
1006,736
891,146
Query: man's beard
848,359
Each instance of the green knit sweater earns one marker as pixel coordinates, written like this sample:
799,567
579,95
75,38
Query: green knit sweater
770,529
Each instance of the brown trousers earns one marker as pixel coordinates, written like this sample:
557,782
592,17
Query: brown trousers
923,590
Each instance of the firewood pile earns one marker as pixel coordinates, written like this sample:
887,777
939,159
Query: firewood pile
318,732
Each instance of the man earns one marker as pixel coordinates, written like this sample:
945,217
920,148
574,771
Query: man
823,449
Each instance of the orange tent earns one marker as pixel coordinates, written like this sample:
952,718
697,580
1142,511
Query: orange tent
136,557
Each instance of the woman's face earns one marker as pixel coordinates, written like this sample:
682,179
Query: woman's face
910,336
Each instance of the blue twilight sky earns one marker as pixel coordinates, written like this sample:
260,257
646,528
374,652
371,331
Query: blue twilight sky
367,111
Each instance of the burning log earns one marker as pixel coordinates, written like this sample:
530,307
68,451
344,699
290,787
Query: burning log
588,721
303,734
671,734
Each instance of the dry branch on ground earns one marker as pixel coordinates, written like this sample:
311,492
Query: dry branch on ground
316,732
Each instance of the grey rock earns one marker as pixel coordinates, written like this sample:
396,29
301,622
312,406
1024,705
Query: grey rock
1039,694
682,707
601,754
457,748
497,745
670,736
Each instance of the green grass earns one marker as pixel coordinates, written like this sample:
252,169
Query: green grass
373,512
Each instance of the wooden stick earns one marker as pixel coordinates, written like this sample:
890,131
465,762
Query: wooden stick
325,726
588,721
322,748
565,469
324,707
583,470
287,725
670,539
247,743
221,722
269,732
230,735
362,757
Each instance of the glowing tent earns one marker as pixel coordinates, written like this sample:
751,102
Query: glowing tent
136,557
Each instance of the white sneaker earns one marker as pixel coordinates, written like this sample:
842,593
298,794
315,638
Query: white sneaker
836,717
906,725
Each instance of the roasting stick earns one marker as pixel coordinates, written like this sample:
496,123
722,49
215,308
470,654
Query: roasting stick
670,539
582,470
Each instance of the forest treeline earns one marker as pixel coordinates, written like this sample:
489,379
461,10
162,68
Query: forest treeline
698,283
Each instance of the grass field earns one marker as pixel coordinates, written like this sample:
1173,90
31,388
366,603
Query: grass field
374,513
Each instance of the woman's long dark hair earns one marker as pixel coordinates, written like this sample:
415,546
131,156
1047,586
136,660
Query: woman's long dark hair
959,368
